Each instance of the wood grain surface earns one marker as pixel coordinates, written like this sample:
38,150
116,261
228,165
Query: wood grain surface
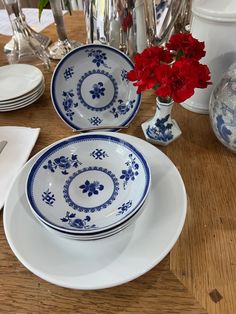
199,274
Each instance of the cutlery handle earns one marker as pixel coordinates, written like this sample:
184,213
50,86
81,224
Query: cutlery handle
2,145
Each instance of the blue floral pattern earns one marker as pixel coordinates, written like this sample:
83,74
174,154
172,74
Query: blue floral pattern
98,56
122,108
98,90
77,222
124,207
69,72
68,103
81,106
161,131
87,104
63,163
222,129
92,188
48,197
131,173
99,154
95,121
124,76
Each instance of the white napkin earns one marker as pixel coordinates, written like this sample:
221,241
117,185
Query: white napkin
20,141
32,19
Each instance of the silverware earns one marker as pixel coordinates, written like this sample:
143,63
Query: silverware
2,145
131,25
102,127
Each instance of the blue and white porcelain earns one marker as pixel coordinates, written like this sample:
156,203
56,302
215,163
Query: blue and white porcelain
111,261
222,109
93,236
89,88
88,184
161,129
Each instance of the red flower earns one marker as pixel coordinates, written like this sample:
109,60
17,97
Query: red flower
179,81
145,65
184,79
144,79
203,76
172,79
163,77
127,21
188,45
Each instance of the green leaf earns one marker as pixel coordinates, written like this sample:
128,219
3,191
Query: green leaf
41,5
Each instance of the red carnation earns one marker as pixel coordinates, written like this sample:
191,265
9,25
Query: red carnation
174,76
188,45
163,76
184,79
203,76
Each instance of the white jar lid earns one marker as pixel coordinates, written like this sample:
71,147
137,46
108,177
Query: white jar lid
217,10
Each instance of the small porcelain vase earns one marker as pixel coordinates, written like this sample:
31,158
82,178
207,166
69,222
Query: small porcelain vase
161,129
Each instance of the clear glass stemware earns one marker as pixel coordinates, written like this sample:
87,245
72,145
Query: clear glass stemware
26,47
43,39
60,48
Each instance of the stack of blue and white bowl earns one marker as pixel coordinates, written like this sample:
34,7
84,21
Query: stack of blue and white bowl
89,186
94,185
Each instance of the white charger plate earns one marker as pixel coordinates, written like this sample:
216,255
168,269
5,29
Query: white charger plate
107,262
17,80
89,88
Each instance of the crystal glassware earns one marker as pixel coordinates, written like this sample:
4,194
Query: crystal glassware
25,48
61,47
42,39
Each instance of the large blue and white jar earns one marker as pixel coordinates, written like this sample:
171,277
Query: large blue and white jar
222,109
161,129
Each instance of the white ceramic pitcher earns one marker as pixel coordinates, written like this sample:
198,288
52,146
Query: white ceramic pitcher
214,22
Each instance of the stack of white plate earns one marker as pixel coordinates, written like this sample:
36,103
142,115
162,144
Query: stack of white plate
88,187
20,86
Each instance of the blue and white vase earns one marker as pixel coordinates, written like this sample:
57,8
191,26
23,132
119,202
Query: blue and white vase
222,109
161,129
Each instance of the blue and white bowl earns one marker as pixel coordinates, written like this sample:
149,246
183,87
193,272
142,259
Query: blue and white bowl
89,88
88,184
95,236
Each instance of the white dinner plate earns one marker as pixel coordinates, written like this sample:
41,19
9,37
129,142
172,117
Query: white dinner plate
25,103
18,79
107,262
24,97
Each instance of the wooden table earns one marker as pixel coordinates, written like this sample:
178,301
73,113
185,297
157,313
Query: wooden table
199,274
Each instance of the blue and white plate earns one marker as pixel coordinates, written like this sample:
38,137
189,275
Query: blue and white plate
89,88
88,183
